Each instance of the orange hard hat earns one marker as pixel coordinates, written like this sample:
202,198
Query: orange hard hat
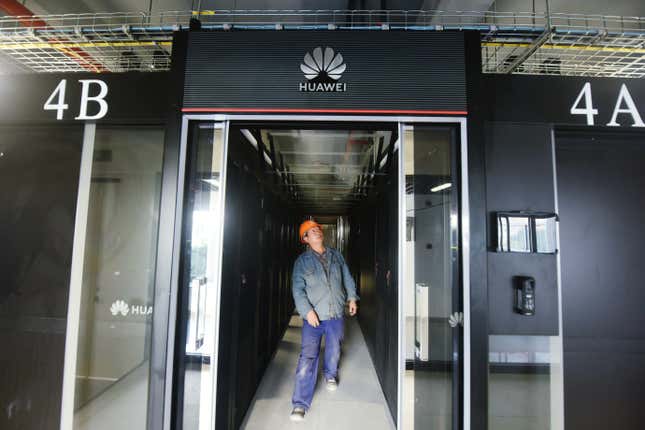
306,226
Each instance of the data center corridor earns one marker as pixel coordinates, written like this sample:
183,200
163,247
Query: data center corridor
357,404
277,175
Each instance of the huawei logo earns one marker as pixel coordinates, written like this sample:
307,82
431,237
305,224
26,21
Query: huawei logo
124,309
323,69
120,307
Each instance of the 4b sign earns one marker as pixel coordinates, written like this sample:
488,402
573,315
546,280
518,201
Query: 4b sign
92,91
624,106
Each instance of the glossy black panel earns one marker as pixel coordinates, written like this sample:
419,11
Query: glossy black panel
475,88
39,171
600,192
261,69
519,176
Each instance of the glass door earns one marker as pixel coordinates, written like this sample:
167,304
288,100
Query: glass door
198,293
111,299
432,297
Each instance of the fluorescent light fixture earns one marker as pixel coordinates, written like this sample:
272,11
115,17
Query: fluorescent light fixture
441,187
250,138
213,182
268,159
253,141
383,161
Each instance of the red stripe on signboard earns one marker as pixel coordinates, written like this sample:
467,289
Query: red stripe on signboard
349,111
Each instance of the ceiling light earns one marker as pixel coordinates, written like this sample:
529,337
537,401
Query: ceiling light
213,182
441,187
253,141
383,161
249,136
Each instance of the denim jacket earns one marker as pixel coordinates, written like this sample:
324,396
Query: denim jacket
312,289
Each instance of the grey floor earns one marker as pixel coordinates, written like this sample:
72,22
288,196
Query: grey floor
119,407
357,404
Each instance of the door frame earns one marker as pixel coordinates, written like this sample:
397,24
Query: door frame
177,267
460,297
464,225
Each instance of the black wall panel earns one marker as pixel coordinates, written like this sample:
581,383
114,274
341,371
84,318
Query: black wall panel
600,192
39,170
519,167
519,176
478,230
502,267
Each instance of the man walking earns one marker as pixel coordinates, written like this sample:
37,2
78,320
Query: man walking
321,285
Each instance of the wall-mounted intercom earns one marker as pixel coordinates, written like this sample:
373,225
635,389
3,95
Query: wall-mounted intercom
524,295
524,231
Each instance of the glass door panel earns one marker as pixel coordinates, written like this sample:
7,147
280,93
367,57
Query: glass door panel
200,277
116,304
432,298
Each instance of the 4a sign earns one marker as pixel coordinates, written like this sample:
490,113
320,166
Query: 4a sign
93,91
625,110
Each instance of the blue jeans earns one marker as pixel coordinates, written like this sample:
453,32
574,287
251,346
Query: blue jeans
307,371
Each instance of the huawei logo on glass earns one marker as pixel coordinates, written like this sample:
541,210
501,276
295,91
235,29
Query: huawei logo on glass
120,307
323,70
123,308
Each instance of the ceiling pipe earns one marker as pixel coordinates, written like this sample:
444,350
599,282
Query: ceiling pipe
23,14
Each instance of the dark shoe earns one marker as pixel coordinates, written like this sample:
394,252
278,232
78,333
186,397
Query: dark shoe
331,384
297,414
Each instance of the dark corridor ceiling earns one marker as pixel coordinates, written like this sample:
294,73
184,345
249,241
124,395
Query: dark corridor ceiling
324,171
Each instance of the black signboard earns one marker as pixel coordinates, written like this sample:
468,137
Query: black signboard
77,97
335,71
564,100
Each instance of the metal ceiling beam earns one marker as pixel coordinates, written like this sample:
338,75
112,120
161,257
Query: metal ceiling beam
541,40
